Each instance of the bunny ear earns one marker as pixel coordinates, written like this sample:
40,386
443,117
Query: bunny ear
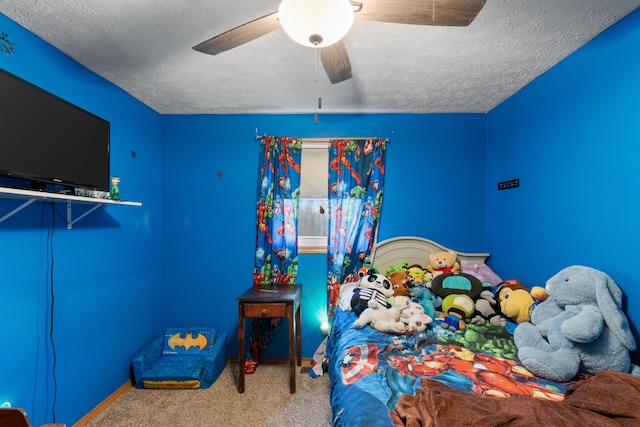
609,297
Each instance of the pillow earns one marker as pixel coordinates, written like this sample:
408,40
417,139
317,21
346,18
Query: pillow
188,340
346,293
481,271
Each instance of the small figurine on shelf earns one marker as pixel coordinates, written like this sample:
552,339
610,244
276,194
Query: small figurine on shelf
115,191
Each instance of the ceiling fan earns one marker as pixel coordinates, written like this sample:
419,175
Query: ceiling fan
334,57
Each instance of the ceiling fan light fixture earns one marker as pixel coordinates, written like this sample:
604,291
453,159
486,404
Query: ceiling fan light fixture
316,23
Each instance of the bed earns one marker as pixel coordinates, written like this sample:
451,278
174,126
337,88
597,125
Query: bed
429,378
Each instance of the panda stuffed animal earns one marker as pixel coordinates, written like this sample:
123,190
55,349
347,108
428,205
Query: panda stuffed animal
372,286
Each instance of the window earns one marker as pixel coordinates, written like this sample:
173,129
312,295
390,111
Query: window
314,197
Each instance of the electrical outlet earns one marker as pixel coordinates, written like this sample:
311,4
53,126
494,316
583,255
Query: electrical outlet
505,185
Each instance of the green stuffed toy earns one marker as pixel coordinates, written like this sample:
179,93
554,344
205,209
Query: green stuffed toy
456,308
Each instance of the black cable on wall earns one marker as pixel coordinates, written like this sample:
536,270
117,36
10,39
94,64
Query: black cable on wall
51,313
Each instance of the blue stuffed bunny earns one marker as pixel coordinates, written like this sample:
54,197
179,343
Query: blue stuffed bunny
580,326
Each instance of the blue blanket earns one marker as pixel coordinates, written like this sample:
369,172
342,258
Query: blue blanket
370,370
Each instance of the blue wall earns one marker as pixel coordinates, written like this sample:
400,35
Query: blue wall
434,188
106,270
124,273
572,137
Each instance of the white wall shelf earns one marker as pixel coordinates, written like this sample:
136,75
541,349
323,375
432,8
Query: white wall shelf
30,196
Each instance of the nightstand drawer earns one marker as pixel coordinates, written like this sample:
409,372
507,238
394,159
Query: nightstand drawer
265,310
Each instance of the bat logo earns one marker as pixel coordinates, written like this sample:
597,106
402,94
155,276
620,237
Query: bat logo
191,339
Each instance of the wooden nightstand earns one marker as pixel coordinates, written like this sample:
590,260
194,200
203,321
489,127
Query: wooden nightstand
268,301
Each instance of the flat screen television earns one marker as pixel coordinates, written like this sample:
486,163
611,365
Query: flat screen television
47,140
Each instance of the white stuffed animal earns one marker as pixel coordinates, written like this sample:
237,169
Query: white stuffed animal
414,318
381,318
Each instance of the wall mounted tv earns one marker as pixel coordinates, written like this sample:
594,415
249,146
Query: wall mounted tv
46,140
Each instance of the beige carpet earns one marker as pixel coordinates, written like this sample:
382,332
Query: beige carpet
266,402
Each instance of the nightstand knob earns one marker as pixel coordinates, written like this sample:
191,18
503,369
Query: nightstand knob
264,311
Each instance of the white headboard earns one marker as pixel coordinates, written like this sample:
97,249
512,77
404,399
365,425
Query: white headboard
414,250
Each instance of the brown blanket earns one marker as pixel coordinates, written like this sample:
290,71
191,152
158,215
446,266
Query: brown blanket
609,398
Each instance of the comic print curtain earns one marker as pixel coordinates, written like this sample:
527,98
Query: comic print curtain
356,182
277,209
276,259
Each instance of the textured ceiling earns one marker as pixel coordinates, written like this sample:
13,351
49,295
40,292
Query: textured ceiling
145,48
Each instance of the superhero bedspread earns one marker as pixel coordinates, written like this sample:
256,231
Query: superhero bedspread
371,370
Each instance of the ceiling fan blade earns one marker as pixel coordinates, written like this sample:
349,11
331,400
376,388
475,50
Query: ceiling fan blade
240,35
336,63
421,12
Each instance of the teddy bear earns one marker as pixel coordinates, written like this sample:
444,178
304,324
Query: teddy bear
401,293
443,262
516,301
579,327
414,318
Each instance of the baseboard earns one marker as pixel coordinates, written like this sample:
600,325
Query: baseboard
275,361
102,406
120,391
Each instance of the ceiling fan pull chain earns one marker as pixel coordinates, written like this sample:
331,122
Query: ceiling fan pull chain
317,60
318,97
